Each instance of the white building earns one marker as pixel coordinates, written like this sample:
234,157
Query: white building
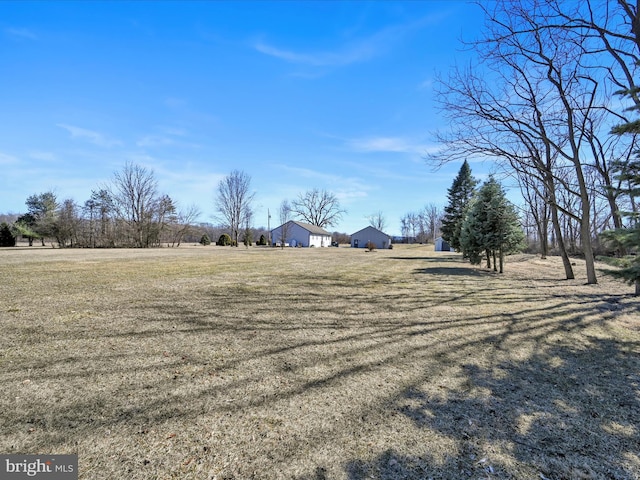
298,234
370,234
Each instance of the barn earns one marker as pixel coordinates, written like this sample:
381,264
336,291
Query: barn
443,246
299,234
370,234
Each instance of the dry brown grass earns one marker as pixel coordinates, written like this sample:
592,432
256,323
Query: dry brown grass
198,363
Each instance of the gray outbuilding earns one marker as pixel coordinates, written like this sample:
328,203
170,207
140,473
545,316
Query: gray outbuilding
361,238
443,246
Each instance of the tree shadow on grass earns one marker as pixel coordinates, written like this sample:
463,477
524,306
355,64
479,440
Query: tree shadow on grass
455,271
565,413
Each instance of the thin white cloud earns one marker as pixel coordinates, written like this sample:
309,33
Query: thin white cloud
155,141
43,156
360,50
6,159
426,84
389,144
21,33
92,136
347,55
346,189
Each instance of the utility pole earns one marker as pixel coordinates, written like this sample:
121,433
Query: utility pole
269,225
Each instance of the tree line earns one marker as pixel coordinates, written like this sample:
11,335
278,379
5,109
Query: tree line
130,211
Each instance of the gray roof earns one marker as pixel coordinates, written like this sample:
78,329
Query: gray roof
371,228
312,228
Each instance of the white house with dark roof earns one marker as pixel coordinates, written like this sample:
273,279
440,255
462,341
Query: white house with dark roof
370,234
299,234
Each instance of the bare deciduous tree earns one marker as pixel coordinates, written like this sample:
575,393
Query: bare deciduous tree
318,207
234,201
284,212
377,220
134,194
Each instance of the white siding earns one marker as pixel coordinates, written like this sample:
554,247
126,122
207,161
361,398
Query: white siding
299,236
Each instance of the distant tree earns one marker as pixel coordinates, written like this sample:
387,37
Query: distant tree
99,208
182,224
247,238
65,228
134,194
433,219
377,220
262,240
7,239
25,226
205,240
459,196
43,208
234,200
318,207
284,213
341,237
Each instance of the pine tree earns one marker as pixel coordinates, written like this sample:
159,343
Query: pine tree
491,226
628,238
6,236
459,196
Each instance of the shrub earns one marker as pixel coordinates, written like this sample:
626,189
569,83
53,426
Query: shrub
224,240
205,240
6,237
262,240
371,246
247,239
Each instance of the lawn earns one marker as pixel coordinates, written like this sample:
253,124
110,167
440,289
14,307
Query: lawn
212,362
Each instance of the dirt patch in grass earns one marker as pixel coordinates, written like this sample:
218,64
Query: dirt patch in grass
205,362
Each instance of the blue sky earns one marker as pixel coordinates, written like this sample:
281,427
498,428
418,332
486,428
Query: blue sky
299,95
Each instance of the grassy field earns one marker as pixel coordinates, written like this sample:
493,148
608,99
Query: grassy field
210,362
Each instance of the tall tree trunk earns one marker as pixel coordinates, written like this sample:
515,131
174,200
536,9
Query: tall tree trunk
585,227
566,262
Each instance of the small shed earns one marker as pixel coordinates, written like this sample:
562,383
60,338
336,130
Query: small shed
443,246
370,234
299,234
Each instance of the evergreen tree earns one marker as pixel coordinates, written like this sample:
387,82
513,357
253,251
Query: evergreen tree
459,196
628,238
6,236
491,227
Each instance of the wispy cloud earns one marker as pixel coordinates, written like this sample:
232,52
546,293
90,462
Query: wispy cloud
167,137
345,188
359,50
155,141
6,159
389,144
347,55
426,84
43,156
21,33
92,136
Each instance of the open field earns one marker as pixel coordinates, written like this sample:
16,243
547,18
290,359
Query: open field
208,362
